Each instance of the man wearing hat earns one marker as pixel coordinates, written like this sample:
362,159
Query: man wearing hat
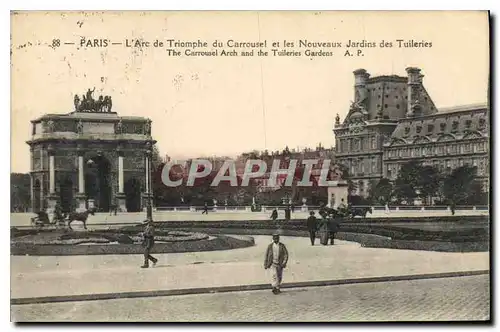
148,243
312,226
276,259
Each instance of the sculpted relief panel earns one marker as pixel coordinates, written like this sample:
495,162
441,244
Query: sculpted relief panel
133,161
98,128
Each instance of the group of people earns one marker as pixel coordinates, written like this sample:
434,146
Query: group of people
276,256
326,227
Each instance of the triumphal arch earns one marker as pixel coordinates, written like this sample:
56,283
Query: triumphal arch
91,157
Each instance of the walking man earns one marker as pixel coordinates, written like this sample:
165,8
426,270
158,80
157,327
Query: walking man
312,226
205,209
276,259
148,243
333,227
274,214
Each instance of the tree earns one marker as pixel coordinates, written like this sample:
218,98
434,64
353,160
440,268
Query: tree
477,195
408,181
460,185
429,182
156,158
381,191
20,188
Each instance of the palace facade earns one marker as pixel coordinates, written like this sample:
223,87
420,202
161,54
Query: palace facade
394,120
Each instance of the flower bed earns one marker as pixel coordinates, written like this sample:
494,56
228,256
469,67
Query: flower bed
61,243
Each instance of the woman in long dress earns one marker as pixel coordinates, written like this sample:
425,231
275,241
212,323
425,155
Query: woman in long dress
323,231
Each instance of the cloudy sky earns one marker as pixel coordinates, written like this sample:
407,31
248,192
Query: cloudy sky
227,105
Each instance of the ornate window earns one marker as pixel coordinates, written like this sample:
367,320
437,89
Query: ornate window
442,126
468,124
482,122
419,129
430,128
454,126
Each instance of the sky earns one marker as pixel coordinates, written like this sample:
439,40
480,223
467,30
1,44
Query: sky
202,106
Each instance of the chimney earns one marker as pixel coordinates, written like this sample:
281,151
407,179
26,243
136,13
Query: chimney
414,86
360,78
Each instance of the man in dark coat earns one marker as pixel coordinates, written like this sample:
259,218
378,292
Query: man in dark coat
312,226
274,214
205,209
333,227
148,243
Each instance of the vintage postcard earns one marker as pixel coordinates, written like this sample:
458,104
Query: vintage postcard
250,166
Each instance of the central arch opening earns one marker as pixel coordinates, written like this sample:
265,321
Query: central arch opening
97,182
66,194
133,195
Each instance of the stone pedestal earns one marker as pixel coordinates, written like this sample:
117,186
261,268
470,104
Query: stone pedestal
51,204
121,202
304,208
81,203
145,201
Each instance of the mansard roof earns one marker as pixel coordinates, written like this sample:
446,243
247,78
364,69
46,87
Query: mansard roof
453,123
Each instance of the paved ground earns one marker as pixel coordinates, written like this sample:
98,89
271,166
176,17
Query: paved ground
23,219
33,276
447,299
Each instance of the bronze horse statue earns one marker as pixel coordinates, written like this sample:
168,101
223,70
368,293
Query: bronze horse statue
80,216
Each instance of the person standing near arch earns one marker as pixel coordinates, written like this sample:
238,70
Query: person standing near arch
148,243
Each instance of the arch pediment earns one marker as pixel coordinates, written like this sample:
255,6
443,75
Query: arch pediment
398,141
472,134
446,137
421,139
